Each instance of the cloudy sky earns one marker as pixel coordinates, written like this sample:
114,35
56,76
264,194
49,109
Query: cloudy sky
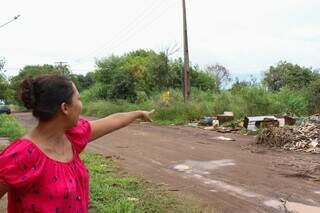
246,36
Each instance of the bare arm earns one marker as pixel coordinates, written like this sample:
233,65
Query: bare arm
3,189
116,121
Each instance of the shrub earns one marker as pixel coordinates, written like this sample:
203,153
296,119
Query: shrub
9,127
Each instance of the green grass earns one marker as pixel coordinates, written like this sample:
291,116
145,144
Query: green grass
9,127
112,192
175,111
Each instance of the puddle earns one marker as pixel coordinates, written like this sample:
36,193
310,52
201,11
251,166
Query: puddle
195,169
274,204
197,176
231,189
222,186
156,162
181,167
292,207
202,167
224,138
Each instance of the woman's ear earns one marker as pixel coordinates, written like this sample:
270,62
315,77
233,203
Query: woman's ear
64,108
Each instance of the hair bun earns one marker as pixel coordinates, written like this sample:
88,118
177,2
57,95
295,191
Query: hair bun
27,93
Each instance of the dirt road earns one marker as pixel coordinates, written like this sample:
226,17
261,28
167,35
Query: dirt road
226,175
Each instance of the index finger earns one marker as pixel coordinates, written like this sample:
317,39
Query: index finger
152,111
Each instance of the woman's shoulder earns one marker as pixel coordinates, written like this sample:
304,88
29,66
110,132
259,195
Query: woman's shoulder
82,127
21,149
20,163
80,134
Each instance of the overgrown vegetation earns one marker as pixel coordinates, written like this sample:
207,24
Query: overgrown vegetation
171,109
9,127
144,79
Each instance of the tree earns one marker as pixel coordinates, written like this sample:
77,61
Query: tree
6,93
287,74
36,70
201,79
107,68
238,85
123,86
145,71
3,82
220,73
83,81
313,92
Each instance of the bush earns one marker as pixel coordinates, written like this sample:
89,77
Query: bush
175,111
314,97
9,127
290,102
143,71
249,100
94,93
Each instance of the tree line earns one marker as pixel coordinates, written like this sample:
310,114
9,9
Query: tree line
137,75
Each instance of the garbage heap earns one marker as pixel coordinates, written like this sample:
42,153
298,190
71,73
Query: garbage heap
299,138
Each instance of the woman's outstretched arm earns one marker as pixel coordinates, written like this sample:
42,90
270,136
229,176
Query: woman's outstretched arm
116,121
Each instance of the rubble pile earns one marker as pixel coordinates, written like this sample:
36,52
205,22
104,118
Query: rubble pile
300,138
272,131
275,137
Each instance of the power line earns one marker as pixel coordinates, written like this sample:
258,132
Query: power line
14,18
145,26
128,31
132,34
125,28
135,26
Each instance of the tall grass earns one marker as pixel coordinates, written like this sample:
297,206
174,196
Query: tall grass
173,110
253,100
9,127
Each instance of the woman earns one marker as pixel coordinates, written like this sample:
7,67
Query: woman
42,171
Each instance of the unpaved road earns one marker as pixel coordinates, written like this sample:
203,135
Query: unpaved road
228,176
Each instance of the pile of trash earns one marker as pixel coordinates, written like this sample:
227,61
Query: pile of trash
299,138
281,131
223,123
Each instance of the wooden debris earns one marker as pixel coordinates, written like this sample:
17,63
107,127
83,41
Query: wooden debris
302,138
225,117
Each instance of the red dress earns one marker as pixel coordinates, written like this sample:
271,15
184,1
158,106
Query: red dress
40,184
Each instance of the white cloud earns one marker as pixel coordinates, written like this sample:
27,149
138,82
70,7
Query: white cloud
247,36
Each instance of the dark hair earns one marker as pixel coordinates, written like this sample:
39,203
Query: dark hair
45,94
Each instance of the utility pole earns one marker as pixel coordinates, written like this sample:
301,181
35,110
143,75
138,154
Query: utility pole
61,63
61,66
186,78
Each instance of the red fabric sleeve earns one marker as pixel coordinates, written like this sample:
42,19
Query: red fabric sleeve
80,134
20,164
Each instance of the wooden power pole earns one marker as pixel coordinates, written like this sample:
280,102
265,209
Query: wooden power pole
186,78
